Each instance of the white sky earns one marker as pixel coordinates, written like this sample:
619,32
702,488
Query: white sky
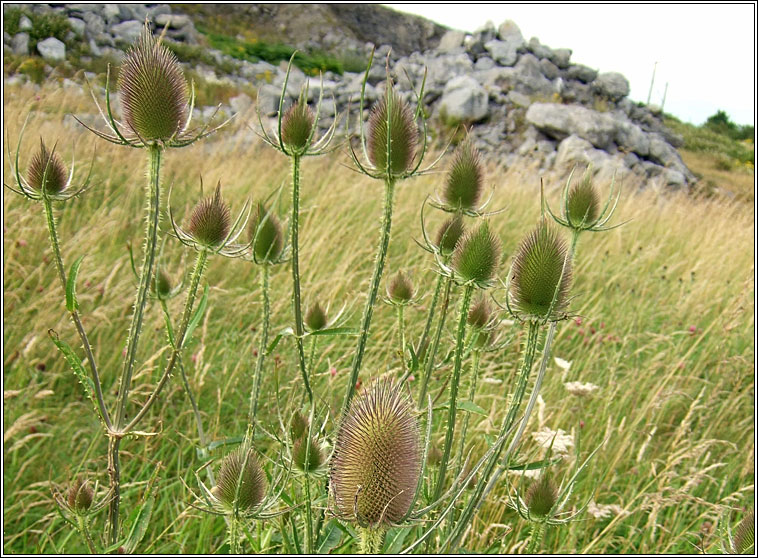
705,52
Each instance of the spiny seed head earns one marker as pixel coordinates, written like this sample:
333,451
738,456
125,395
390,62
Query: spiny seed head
264,227
315,455
297,124
449,234
401,288
541,496
315,317
583,203
377,457
465,179
298,425
80,495
153,90
477,255
211,220
162,284
538,272
241,468
47,166
392,115
744,538
480,313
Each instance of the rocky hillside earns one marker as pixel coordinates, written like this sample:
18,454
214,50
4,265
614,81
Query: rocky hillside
524,102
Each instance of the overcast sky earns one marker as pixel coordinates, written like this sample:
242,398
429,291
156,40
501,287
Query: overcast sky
706,53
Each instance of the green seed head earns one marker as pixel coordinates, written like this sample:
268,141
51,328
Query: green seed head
391,116
465,179
298,425
210,220
315,318
477,255
539,274
401,288
541,496
153,90
80,495
377,457
449,234
240,468
583,203
267,232
48,167
744,538
297,124
162,284
315,455
480,313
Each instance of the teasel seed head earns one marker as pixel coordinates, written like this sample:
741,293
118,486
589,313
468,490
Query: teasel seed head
211,220
315,455
80,495
297,125
448,235
465,179
47,166
153,90
377,457
477,256
392,115
480,313
267,232
583,203
162,284
538,272
744,538
400,289
541,496
298,426
315,317
252,485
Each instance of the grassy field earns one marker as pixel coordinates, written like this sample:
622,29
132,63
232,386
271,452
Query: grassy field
666,330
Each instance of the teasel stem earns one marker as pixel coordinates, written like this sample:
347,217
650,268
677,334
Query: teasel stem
476,357
263,342
536,533
421,349
146,273
55,244
114,477
84,530
312,355
296,305
235,544
307,486
368,310
459,342
435,343
371,539
401,326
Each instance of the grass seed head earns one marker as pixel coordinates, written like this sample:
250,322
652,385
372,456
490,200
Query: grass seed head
465,179
392,115
297,124
583,203
541,496
744,538
480,313
80,495
449,233
315,455
241,468
153,90
211,220
538,272
401,288
377,457
477,255
267,232
315,317
47,166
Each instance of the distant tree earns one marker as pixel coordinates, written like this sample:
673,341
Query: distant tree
721,124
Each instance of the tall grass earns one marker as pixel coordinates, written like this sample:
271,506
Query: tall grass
665,329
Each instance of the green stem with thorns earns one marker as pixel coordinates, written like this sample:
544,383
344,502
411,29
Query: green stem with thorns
421,347
471,393
371,539
84,530
401,325
435,343
459,338
536,534
253,407
368,310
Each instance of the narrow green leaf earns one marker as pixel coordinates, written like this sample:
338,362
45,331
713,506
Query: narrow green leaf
471,407
331,537
285,332
76,365
71,303
142,519
169,327
197,316
394,541
225,442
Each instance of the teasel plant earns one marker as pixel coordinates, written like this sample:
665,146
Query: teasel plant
296,137
75,506
742,541
401,293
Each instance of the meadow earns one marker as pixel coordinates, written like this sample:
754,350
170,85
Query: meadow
663,325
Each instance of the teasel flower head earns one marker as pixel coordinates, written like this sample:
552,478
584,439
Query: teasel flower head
298,426
315,459
376,463
448,235
465,180
162,285
480,313
541,497
241,483
210,222
477,256
297,126
80,495
540,276
47,172
744,537
315,317
266,236
400,290
392,135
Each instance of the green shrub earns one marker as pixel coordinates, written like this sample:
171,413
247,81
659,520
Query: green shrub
33,68
11,20
45,26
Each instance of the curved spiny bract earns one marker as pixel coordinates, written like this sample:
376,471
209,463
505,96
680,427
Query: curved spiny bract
541,275
465,179
448,235
46,171
266,235
582,208
376,463
210,222
241,483
477,256
153,90
392,136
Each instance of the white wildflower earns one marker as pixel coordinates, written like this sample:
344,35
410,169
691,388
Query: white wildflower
580,389
528,473
560,441
562,364
604,511
495,381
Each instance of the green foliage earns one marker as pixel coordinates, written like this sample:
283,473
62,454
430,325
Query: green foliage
721,124
33,68
717,139
11,20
